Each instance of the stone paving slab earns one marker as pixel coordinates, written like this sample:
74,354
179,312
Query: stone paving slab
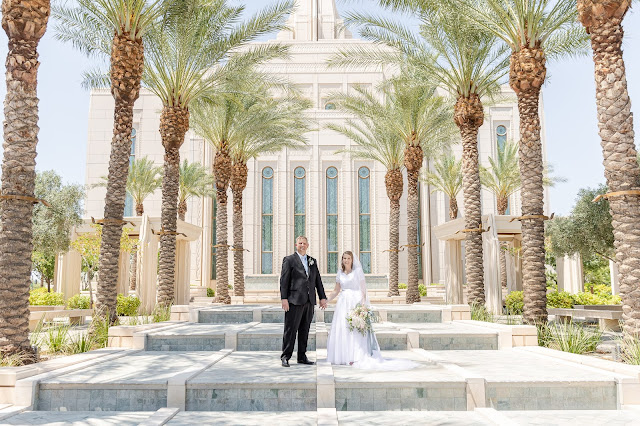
256,368
241,418
59,418
574,417
138,368
268,337
426,387
457,418
195,329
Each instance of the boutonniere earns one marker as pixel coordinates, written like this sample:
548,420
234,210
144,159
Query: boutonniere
311,261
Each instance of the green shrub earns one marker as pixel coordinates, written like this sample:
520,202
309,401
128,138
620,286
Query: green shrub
128,306
211,292
40,296
560,299
422,289
161,313
480,313
629,349
402,286
515,303
586,298
573,338
78,302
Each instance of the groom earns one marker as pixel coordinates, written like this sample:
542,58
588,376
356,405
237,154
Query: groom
299,280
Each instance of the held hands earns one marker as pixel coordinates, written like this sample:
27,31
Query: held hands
285,305
323,303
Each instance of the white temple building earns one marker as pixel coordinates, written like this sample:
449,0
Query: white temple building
337,202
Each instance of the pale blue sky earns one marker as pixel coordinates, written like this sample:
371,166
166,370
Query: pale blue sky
569,100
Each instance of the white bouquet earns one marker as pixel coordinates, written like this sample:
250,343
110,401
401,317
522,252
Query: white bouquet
361,319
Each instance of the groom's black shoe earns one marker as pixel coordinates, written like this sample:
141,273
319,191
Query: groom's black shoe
285,362
306,361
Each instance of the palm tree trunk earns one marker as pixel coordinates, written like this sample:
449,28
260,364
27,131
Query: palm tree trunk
174,123
139,209
394,244
238,184
453,208
222,174
615,122
469,116
526,76
394,182
127,58
25,23
182,210
413,163
503,204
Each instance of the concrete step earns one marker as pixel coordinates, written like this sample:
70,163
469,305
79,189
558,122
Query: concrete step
453,380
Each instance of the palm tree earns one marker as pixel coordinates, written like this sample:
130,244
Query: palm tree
378,143
462,60
603,20
502,179
114,29
142,180
194,182
410,121
25,23
261,125
189,55
534,30
447,179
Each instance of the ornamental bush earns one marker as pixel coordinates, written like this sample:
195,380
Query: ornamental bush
40,296
422,289
515,303
559,299
402,286
78,302
128,306
211,292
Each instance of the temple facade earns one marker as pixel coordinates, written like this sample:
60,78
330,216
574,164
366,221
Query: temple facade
338,202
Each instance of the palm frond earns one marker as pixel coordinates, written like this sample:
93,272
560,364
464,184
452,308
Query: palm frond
195,181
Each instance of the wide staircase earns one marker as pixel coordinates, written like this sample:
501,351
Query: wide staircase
220,365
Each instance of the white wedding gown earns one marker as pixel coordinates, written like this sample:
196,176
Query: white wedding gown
352,347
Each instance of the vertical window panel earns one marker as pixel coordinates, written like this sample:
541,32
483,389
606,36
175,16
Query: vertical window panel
332,220
299,203
364,221
266,246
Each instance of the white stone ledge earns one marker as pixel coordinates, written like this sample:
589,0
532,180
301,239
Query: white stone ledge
12,411
509,336
160,417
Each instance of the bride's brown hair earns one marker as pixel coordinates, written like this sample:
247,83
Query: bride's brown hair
342,263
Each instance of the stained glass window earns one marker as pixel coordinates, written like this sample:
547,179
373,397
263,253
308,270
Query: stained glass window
332,220
501,136
299,203
364,222
267,221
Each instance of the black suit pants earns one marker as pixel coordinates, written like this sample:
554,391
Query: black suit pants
297,321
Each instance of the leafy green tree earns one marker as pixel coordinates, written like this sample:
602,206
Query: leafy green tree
112,29
447,178
52,225
189,54
587,230
195,181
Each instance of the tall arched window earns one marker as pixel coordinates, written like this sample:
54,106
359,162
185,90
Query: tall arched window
128,201
332,220
364,220
299,204
501,136
267,221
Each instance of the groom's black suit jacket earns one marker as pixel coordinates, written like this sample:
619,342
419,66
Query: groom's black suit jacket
295,286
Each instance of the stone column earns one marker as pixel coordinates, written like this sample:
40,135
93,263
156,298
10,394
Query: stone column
182,282
147,266
454,273
615,281
124,275
68,273
491,257
572,274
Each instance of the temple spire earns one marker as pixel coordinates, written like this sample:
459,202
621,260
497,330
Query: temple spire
315,20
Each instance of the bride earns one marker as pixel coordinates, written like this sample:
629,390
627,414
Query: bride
345,346
352,347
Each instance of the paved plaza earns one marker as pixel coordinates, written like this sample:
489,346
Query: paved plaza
223,367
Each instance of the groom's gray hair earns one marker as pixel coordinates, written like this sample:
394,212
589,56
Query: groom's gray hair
303,238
